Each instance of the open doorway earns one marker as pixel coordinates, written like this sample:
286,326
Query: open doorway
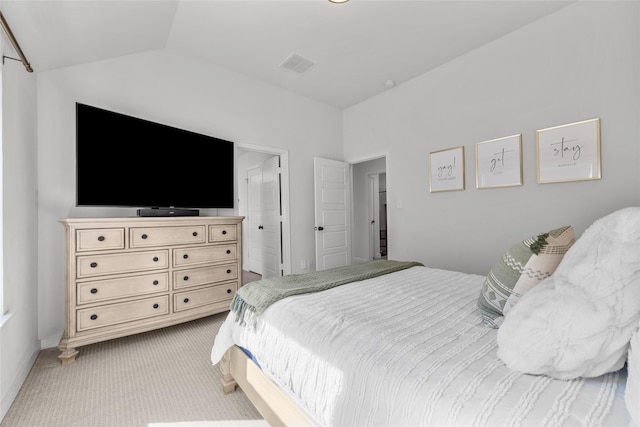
370,233
379,206
263,199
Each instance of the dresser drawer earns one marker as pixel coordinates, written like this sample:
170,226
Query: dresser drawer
99,239
104,290
141,237
197,298
96,265
113,314
204,255
205,275
222,233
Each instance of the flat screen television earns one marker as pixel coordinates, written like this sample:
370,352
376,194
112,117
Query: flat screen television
125,161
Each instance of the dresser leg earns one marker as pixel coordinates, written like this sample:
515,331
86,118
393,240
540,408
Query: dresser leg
68,355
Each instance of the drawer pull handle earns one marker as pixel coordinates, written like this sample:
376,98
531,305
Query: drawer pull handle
224,231
155,259
195,233
185,256
228,291
185,278
186,300
144,237
155,306
155,283
228,271
228,251
94,264
94,316
100,238
94,291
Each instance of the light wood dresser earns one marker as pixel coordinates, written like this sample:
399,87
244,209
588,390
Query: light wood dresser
130,275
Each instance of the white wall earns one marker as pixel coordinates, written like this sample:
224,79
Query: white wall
177,90
579,63
19,345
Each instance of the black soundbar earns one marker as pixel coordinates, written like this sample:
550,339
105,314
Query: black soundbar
168,212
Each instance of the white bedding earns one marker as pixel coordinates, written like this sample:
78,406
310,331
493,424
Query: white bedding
409,349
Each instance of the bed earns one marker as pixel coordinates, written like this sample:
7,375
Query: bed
412,347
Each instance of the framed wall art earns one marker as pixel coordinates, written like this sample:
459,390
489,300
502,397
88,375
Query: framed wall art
499,162
569,152
446,170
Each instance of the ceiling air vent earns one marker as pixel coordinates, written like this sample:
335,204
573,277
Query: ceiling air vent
297,63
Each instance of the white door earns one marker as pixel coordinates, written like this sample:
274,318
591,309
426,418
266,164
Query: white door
271,219
254,219
332,192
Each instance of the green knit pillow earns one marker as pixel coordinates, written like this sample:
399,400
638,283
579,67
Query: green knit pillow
519,269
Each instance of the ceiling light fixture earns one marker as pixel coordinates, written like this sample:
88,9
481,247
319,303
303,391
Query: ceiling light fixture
338,1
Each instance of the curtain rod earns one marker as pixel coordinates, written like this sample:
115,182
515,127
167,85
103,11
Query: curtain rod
15,44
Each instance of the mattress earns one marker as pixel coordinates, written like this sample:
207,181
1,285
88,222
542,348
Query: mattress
409,349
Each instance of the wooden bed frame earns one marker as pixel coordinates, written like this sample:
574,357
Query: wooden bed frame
274,405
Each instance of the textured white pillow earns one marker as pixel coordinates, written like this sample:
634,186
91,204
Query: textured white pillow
579,321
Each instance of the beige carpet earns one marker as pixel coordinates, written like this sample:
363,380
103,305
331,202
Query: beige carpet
162,378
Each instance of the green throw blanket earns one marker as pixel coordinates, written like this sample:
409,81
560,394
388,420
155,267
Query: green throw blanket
253,299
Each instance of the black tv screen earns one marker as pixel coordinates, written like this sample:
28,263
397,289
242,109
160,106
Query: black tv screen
131,162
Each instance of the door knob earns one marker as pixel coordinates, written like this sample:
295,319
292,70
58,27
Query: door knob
260,227
319,228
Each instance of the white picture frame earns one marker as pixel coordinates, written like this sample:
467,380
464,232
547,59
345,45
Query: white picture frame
569,152
446,170
499,162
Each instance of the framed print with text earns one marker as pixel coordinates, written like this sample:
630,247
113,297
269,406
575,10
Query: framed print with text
499,162
446,170
569,152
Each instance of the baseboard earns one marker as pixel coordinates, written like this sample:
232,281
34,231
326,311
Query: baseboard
5,318
16,383
50,342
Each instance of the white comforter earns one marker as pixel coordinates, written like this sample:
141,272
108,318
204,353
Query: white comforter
409,349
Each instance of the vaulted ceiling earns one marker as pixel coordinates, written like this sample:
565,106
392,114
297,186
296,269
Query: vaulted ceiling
358,49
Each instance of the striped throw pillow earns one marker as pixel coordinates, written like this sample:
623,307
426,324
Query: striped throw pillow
519,269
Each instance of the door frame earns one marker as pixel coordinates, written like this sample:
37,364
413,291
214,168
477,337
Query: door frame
284,197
